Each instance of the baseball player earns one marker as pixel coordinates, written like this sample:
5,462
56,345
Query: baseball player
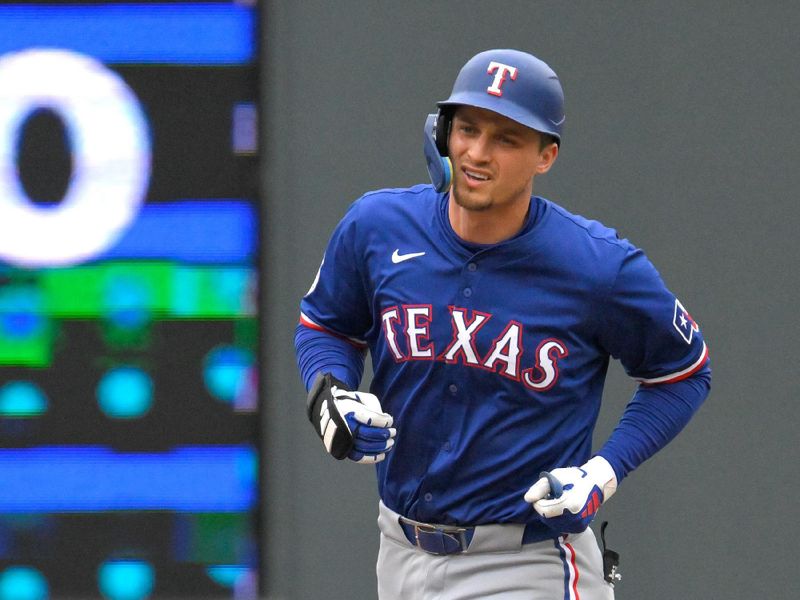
490,315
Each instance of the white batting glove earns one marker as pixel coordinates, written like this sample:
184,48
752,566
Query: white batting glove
585,488
350,424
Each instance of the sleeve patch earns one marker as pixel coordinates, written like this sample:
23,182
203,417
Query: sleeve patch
683,322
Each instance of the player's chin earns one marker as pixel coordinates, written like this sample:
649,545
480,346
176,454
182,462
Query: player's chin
470,199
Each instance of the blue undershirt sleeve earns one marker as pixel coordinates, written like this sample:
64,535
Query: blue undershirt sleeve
318,351
654,416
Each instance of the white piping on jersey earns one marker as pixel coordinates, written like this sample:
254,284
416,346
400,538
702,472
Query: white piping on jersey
310,323
675,376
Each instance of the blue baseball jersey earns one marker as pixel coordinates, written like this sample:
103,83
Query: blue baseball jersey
491,359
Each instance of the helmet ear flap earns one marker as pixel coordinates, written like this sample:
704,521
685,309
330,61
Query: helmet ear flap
439,167
444,119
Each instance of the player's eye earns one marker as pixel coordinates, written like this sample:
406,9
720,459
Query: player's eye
467,128
507,140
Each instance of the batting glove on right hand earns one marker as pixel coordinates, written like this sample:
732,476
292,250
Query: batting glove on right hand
584,489
350,424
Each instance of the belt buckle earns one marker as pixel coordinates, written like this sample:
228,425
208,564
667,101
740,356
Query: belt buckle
456,534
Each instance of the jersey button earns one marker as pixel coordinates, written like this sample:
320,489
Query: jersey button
453,388
467,292
428,497
447,446
472,267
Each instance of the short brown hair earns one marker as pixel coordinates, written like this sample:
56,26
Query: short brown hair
546,139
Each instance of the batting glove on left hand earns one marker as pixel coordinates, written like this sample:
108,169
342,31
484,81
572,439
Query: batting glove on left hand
585,488
350,424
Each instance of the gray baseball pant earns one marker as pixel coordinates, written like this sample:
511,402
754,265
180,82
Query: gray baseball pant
496,565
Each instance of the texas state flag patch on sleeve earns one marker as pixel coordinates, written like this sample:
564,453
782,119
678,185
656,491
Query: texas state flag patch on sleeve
684,323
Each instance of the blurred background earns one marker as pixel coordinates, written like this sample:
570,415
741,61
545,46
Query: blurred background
129,215
169,175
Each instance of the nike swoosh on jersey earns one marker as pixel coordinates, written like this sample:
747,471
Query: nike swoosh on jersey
398,258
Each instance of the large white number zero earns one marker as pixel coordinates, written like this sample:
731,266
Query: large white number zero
110,146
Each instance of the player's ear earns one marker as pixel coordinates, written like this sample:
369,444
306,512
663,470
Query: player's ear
547,156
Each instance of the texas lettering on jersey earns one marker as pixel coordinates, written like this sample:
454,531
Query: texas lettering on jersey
406,331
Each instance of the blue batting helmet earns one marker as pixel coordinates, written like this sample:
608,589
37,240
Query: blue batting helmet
514,84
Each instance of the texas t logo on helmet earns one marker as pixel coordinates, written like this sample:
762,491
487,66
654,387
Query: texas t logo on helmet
500,76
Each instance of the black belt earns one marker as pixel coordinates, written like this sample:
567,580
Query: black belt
437,539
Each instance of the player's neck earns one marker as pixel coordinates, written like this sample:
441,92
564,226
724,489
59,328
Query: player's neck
489,226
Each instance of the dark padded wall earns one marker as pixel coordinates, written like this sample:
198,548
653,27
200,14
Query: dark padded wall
681,132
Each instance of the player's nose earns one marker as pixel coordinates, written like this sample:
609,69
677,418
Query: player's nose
479,149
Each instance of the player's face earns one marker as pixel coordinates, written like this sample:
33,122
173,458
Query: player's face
494,159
